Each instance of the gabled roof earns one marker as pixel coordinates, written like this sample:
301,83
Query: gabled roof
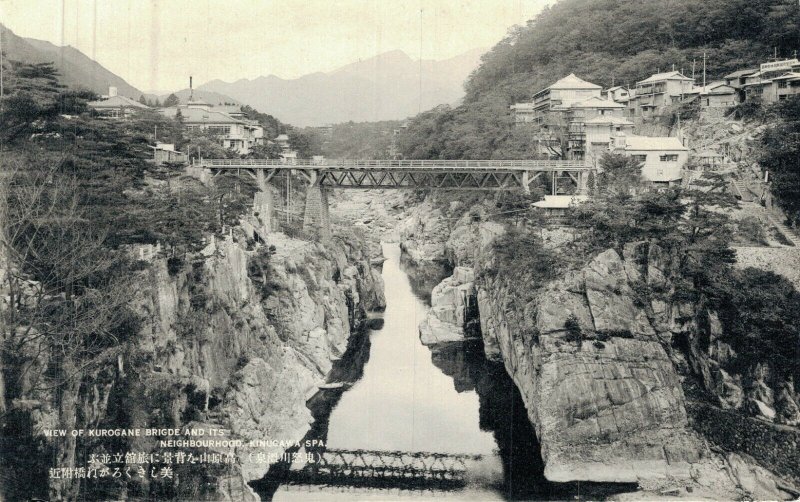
670,75
116,102
200,116
595,102
741,73
653,143
612,89
571,81
717,88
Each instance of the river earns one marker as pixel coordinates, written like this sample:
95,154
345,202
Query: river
412,398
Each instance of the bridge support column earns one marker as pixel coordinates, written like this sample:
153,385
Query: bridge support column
526,182
316,220
263,202
583,186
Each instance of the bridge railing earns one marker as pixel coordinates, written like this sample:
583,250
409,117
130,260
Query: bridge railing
389,164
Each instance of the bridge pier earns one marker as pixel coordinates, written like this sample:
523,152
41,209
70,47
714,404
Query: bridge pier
316,220
264,203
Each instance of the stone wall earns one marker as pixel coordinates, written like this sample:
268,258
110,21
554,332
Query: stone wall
773,446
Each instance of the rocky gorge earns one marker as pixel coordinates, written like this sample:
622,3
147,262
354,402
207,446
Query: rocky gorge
604,368
234,338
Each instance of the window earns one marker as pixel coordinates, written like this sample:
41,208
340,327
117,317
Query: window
782,84
218,130
669,158
639,158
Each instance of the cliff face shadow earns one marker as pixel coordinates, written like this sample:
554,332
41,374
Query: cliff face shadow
502,412
350,368
423,277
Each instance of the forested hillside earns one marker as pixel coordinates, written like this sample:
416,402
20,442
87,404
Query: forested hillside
603,41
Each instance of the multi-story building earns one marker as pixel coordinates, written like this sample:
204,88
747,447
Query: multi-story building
714,95
600,133
561,95
579,113
237,134
663,158
738,78
659,91
558,113
787,85
115,106
768,83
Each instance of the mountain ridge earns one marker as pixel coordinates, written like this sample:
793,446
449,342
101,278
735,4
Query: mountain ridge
76,68
389,86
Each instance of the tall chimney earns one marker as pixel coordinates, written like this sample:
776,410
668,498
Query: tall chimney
191,89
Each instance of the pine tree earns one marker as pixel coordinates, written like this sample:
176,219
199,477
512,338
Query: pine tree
172,100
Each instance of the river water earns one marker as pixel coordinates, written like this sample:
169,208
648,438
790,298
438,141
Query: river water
412,398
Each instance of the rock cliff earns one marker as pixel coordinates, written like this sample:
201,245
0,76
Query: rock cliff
236,337
251,333
600,360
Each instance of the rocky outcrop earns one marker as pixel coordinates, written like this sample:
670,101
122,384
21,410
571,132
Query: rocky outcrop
606,401
239,337
264,331
451,301
600,357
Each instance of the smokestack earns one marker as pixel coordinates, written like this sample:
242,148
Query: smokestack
191,89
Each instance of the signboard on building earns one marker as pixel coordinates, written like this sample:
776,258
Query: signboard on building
786,64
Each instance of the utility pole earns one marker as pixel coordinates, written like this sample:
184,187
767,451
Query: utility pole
694,62
704,68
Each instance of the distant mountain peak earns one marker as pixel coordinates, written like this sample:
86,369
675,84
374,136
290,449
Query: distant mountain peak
388,86
76,68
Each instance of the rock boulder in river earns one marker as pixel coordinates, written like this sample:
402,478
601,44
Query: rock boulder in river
448,314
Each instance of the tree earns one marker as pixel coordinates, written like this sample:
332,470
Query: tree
267,150
69,298
620,174
142,99
781,157
172,100
303,143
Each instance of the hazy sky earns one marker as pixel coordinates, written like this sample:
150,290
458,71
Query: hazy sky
156,44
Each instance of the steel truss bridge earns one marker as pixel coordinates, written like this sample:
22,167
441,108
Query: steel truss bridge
384,469
413,174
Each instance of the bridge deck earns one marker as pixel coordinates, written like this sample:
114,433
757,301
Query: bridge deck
400,165
396,469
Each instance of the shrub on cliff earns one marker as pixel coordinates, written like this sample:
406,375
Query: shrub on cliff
760,314
522,261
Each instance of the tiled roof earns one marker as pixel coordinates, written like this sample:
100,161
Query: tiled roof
653,143
200,116
670,75
741,73
571,81
116,102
